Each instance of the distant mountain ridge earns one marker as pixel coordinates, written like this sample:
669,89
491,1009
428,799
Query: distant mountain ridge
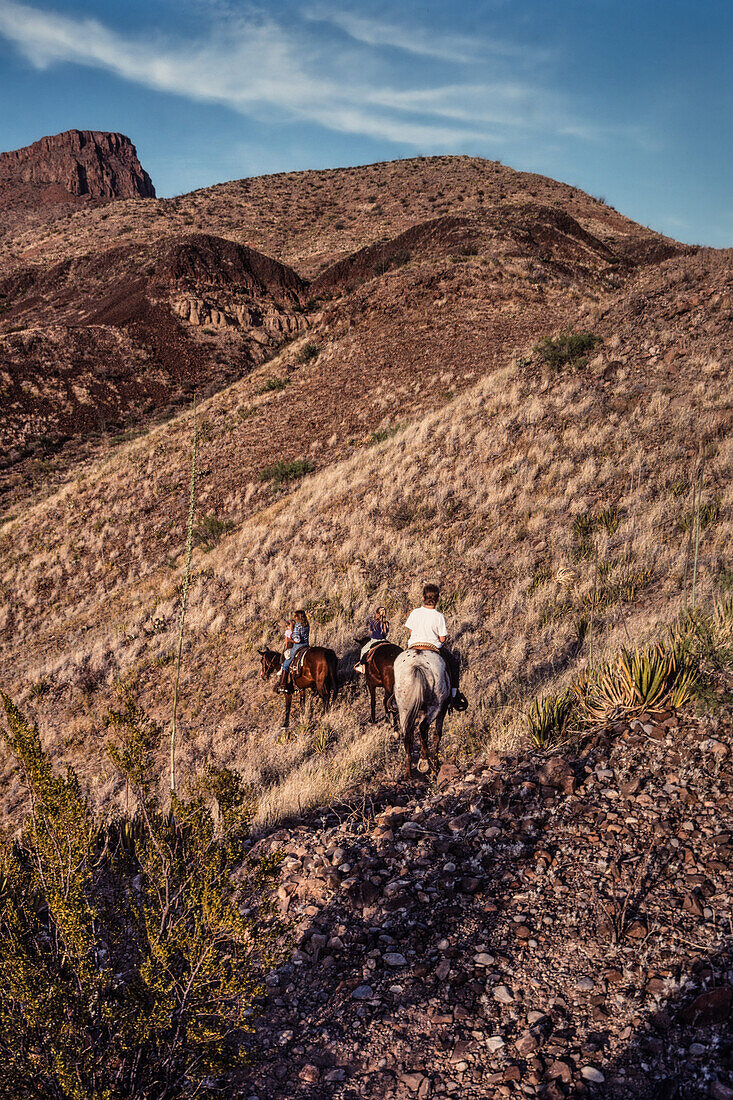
76,164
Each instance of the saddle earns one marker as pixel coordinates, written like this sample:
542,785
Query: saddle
373,648
297,666
428,646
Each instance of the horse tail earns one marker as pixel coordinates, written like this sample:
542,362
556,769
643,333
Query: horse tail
333,680
416,690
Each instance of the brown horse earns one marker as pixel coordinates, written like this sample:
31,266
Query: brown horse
317,672
379,673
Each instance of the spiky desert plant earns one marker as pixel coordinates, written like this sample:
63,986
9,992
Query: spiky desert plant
184,598
707,636
635,680
548,719
322,739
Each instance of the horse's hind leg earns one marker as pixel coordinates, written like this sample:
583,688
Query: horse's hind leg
372,703
408,735
422,729
288,704
436,741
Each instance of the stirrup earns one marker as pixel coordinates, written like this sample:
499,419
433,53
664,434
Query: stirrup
359,668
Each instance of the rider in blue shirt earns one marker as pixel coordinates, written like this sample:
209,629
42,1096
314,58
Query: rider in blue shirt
301,636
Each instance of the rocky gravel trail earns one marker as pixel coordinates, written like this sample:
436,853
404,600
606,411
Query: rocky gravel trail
549,925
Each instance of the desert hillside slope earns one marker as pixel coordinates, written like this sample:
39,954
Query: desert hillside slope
311,219
436,368
102,333
483,493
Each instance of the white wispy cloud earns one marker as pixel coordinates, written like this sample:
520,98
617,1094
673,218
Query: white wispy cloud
457,48
267,71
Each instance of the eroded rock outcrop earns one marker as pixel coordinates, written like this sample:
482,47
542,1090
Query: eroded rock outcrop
76,164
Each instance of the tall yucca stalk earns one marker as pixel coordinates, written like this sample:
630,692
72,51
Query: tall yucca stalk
184,598
693,537
697,527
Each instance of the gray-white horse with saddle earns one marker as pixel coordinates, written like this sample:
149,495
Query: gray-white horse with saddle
422,691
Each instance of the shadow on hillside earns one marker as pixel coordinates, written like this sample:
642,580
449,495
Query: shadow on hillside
315,1032
437,894
682,1050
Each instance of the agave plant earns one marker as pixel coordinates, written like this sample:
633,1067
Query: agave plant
548,719
638,679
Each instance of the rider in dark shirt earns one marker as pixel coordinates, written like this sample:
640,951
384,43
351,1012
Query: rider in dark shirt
378,627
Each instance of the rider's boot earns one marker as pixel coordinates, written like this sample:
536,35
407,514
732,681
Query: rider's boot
458,700
282,687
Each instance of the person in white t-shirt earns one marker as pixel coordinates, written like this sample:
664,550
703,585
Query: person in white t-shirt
428,627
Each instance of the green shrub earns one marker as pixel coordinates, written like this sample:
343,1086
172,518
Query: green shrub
209,532
570,348
382,434
308,351
707,636
282,471
273,385
130,963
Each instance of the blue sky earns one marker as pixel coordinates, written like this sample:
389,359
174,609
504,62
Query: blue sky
631,101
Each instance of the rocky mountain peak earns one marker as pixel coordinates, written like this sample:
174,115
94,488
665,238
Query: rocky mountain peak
75,164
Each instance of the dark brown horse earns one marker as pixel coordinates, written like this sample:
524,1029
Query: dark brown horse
317,672
379,673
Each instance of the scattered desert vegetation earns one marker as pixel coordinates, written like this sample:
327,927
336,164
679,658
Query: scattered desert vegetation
568,349
471,495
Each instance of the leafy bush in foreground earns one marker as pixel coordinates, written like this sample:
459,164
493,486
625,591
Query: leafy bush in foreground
130,964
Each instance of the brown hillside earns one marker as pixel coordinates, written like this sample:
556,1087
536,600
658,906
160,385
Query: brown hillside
475,285
309,220
436,368
98,340
482,492
426,337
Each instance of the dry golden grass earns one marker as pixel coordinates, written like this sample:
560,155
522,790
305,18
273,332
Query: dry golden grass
481,495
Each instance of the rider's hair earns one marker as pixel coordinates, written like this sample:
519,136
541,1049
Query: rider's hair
430,594
301,617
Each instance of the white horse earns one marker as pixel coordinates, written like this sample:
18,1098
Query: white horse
422,691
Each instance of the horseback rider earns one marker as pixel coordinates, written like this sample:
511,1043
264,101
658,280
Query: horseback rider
378,627
428,630
300,640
